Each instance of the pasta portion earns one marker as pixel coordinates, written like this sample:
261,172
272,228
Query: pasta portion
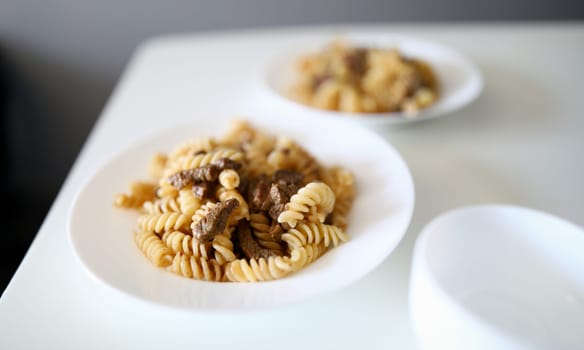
352,79
162,222
196,267
309,233
262,269
316,199
140,192
248,207
153,248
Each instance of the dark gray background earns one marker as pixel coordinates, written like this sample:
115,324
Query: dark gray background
60,59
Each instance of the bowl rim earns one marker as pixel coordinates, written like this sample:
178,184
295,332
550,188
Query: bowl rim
420,266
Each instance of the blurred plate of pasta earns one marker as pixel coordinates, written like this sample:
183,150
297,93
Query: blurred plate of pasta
372,79
102,235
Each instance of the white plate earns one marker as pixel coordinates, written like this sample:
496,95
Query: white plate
460,81
101,235
498,277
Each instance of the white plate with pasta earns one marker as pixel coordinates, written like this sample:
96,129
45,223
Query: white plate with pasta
366,78
182,226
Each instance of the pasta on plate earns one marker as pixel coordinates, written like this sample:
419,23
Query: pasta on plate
351,79
247,207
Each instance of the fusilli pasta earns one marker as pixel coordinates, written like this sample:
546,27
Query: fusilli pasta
162,222
196,267
242,270
153,248
249,207
261,228
315,195
308,233
229,179
184,243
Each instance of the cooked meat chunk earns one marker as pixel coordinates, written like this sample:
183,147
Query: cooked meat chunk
226,163
276,231
279,196
250,248
204,190
215,221
205,173
180,179
288,178
285,184
258,193
356,61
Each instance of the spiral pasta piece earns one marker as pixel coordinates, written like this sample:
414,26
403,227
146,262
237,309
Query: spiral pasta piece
202,144
187,202
196,267
223,249
165,189
180,242
317,195
199,160
139,193
162,222
124,200
229,179
342,183
153,248
242,270
289,155
240,132
260,225
305,255
162,205
309,233
256,153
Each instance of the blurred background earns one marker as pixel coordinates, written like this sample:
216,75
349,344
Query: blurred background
60,60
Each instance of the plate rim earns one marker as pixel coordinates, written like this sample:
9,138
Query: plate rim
476,81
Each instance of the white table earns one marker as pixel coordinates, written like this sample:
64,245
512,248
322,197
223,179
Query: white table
520,143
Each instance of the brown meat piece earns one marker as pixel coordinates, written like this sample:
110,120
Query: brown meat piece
279,196
288,178
356,61
215,222
226,163
270,195
276,231
204,190
258,193
184,178
243,185
285,184
250,248
329,219
205,173
180,179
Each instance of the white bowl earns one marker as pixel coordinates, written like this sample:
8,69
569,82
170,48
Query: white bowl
498,277
460,81
101,235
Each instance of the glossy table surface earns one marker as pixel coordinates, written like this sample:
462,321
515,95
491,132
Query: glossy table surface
520,143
